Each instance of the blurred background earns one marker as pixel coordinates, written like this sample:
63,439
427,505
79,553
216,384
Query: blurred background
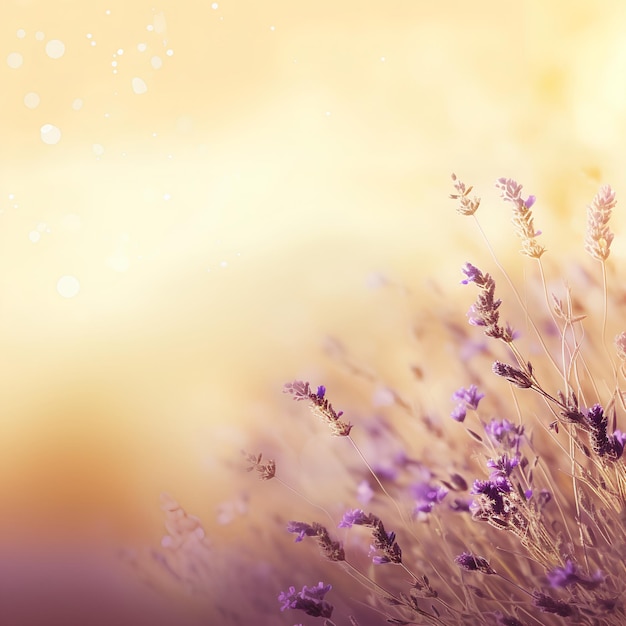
194,194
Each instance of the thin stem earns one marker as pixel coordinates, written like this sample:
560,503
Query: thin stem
303,497
562,333
517,295
572,454
363,579
605,307
382,487
508,580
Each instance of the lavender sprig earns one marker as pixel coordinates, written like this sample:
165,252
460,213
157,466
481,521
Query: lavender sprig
484,312
332,550
320,406
598,238
309,599
511,191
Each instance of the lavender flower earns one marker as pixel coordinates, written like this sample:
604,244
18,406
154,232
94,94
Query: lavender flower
598,424
459,413
467,399
617,443
604,445
472,563
598,238
494,492
484,312
560,577
471,396
383,540
320,406
514,499
546,604
514,375
386,543
466,206
310,600
356,516
474,275
332,550
302,529
502,466
511,191
265,471
505,433
427,495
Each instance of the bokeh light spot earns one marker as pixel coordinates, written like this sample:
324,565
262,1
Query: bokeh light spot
50,134
68,286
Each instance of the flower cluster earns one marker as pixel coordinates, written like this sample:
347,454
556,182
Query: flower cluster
604,445
599,237
310,600
522,219
522,470
466,399
332,550
320,406
484,312
473,563
505,434
467,205
384,543
515,521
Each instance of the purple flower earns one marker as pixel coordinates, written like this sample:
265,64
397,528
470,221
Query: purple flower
301,390
386,542
546,604
471,397
611,446
459,413
617,443
355,516
427,495
302,529
383,540
505,433
516,376
494,490
378,559
473,274
511,191
473,563
310,600
560,577
502,466
598,423
467,399
475,317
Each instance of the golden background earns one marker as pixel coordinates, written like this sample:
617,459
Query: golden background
218,183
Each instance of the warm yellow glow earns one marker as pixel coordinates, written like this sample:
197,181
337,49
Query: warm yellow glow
193,194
